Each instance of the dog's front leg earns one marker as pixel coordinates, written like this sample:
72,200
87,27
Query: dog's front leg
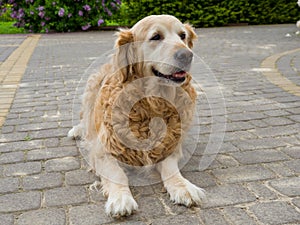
115,186
181,191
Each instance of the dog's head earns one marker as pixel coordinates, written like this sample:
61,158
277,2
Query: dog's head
156,46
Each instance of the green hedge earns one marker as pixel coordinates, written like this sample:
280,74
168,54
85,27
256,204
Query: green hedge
206,13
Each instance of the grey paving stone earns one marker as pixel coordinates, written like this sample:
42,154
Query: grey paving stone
275,213
259,156
150,206
62,164
293,152
50,153
226,161
242,174
10,184
79,177
296,202
65,196
275,131
20,146
50,133
287,186
42,181
261,191
201,179
38,126
88,215
280,169
43,217
225,195
6,219
277,121
213,217
22,169
20,201
260,143
293,165
238,216
175,219
11,157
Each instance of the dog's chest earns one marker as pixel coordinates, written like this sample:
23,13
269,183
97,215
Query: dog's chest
142,129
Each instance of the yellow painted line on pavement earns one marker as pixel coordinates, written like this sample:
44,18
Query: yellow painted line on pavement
274,76
11,72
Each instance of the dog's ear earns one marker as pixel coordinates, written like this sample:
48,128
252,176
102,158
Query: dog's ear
192,36
124,57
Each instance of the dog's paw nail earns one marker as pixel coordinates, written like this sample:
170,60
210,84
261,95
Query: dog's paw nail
120,204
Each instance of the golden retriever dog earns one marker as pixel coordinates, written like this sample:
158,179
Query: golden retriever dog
137,110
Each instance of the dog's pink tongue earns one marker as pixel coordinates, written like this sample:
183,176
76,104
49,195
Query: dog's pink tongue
179,74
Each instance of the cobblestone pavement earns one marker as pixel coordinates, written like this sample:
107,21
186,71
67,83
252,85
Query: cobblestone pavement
253,180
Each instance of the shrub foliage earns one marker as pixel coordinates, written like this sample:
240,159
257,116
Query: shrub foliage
59,15
205,13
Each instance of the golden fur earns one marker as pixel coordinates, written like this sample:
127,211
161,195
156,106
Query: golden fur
158,115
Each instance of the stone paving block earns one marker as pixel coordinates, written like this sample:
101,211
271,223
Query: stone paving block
259,143
22,169
65,196
275,131
50,133
275,213
43,217
259,156
277,121
296,202
88,215
243,174
293,165
62,164
38,126
226,195
261,191
20,146
238,216
293,152
288,186
280,169
226,161
42,181
185,219
239,135
201,179
150,206
11,157
50,153
6,219
213,217
79,177
20,201
9,184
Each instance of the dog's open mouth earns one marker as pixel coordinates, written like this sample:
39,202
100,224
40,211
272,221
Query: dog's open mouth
177,77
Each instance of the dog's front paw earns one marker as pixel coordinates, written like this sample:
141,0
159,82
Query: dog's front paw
120,204
186,193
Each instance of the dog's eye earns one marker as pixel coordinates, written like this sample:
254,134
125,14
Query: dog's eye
182,36
156,37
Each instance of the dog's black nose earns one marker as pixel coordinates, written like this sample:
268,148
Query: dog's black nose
183,56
